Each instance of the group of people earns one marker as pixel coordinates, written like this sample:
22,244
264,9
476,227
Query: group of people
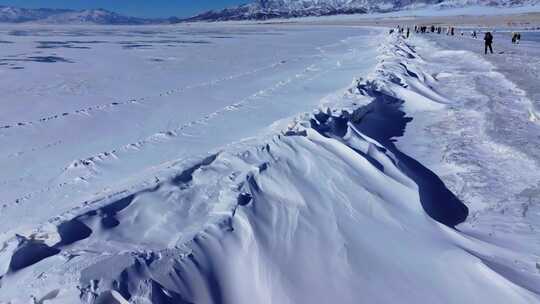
401,31
450,31
422,29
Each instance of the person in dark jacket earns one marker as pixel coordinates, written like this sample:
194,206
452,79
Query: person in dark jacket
488,41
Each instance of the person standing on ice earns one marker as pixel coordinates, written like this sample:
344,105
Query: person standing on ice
408,32
488,40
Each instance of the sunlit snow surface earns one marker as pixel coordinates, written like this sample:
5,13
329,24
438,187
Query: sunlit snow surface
115,102
486,146
174,165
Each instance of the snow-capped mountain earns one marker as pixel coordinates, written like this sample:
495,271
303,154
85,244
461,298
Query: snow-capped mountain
267,9
15,14
10,14
97,16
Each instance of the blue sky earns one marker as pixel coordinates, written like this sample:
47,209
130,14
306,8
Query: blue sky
141,8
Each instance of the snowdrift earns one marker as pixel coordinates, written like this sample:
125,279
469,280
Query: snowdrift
327,211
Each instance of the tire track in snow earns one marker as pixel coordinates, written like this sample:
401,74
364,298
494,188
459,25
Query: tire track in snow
144,100
85,111
166,135
103,107
90,163
135,101
140,100
34,149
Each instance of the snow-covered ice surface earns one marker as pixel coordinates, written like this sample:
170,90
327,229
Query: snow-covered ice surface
192,176
485,145
115,102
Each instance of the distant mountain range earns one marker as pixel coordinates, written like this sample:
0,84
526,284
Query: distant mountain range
9,14
268,9
257,10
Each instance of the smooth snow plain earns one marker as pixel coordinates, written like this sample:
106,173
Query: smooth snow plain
239,167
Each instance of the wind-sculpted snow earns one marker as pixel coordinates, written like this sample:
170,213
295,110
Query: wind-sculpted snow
383,120
328,210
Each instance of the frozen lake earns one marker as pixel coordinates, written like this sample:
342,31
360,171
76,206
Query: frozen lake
531,36
85,108
174,165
